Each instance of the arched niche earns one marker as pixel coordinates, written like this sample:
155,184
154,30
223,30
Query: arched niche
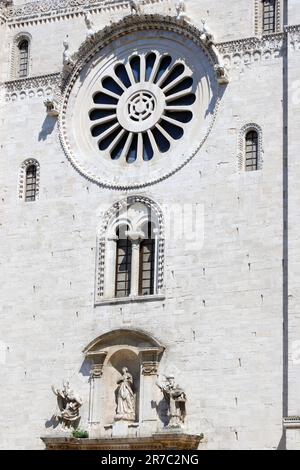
107,355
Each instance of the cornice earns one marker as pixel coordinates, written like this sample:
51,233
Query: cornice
47,10
248,44
251,50
252,46
40,86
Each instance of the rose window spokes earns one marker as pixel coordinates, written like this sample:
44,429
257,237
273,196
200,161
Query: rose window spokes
142,107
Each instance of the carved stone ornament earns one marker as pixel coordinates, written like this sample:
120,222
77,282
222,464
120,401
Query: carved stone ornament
180,8
69,404
126,401
135,7
112,119
45,10
176,400
150,368
52,107
89,26
96,371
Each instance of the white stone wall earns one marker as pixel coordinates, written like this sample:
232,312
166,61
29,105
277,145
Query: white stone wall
221,321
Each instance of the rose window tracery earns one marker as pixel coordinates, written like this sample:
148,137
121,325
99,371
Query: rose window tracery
139,104
142,107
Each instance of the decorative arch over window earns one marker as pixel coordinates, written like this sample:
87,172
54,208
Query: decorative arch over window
20,63
130,252
250,157
29,180
268,16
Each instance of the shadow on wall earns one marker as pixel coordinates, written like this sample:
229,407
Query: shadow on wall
47,127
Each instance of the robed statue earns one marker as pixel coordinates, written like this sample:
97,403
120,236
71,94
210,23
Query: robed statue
69,404
176,400
125,398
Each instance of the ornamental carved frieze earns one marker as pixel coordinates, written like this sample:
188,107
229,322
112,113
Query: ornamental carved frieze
251,50
46,10
150,368
294,37
43,87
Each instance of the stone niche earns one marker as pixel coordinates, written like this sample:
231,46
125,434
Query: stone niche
107,357
124,398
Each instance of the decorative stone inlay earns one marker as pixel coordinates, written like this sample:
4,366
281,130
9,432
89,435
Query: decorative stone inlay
46,10
91,60
31,87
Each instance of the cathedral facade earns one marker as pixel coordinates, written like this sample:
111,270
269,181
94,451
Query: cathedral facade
149,250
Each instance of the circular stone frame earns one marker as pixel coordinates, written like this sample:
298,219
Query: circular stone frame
130,34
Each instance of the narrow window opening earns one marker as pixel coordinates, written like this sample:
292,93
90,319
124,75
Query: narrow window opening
23,47
123,263
147,263
251,160
269,16
31,186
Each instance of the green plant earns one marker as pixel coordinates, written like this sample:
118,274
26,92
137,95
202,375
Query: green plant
80,434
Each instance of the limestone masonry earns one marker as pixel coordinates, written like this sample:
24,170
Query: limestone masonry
149,210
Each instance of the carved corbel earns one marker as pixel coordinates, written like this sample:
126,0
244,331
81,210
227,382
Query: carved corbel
220,69
221,74
52,107
97,362
150,361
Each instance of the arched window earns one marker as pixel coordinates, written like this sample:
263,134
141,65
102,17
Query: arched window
251,151
31,183
250,147
269,16
23,62
147,262
130,252
123,263
29,180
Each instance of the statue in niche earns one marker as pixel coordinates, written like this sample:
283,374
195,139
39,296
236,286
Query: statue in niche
125,398
176,400
69,404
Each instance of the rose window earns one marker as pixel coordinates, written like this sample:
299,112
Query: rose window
138,106
141,108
